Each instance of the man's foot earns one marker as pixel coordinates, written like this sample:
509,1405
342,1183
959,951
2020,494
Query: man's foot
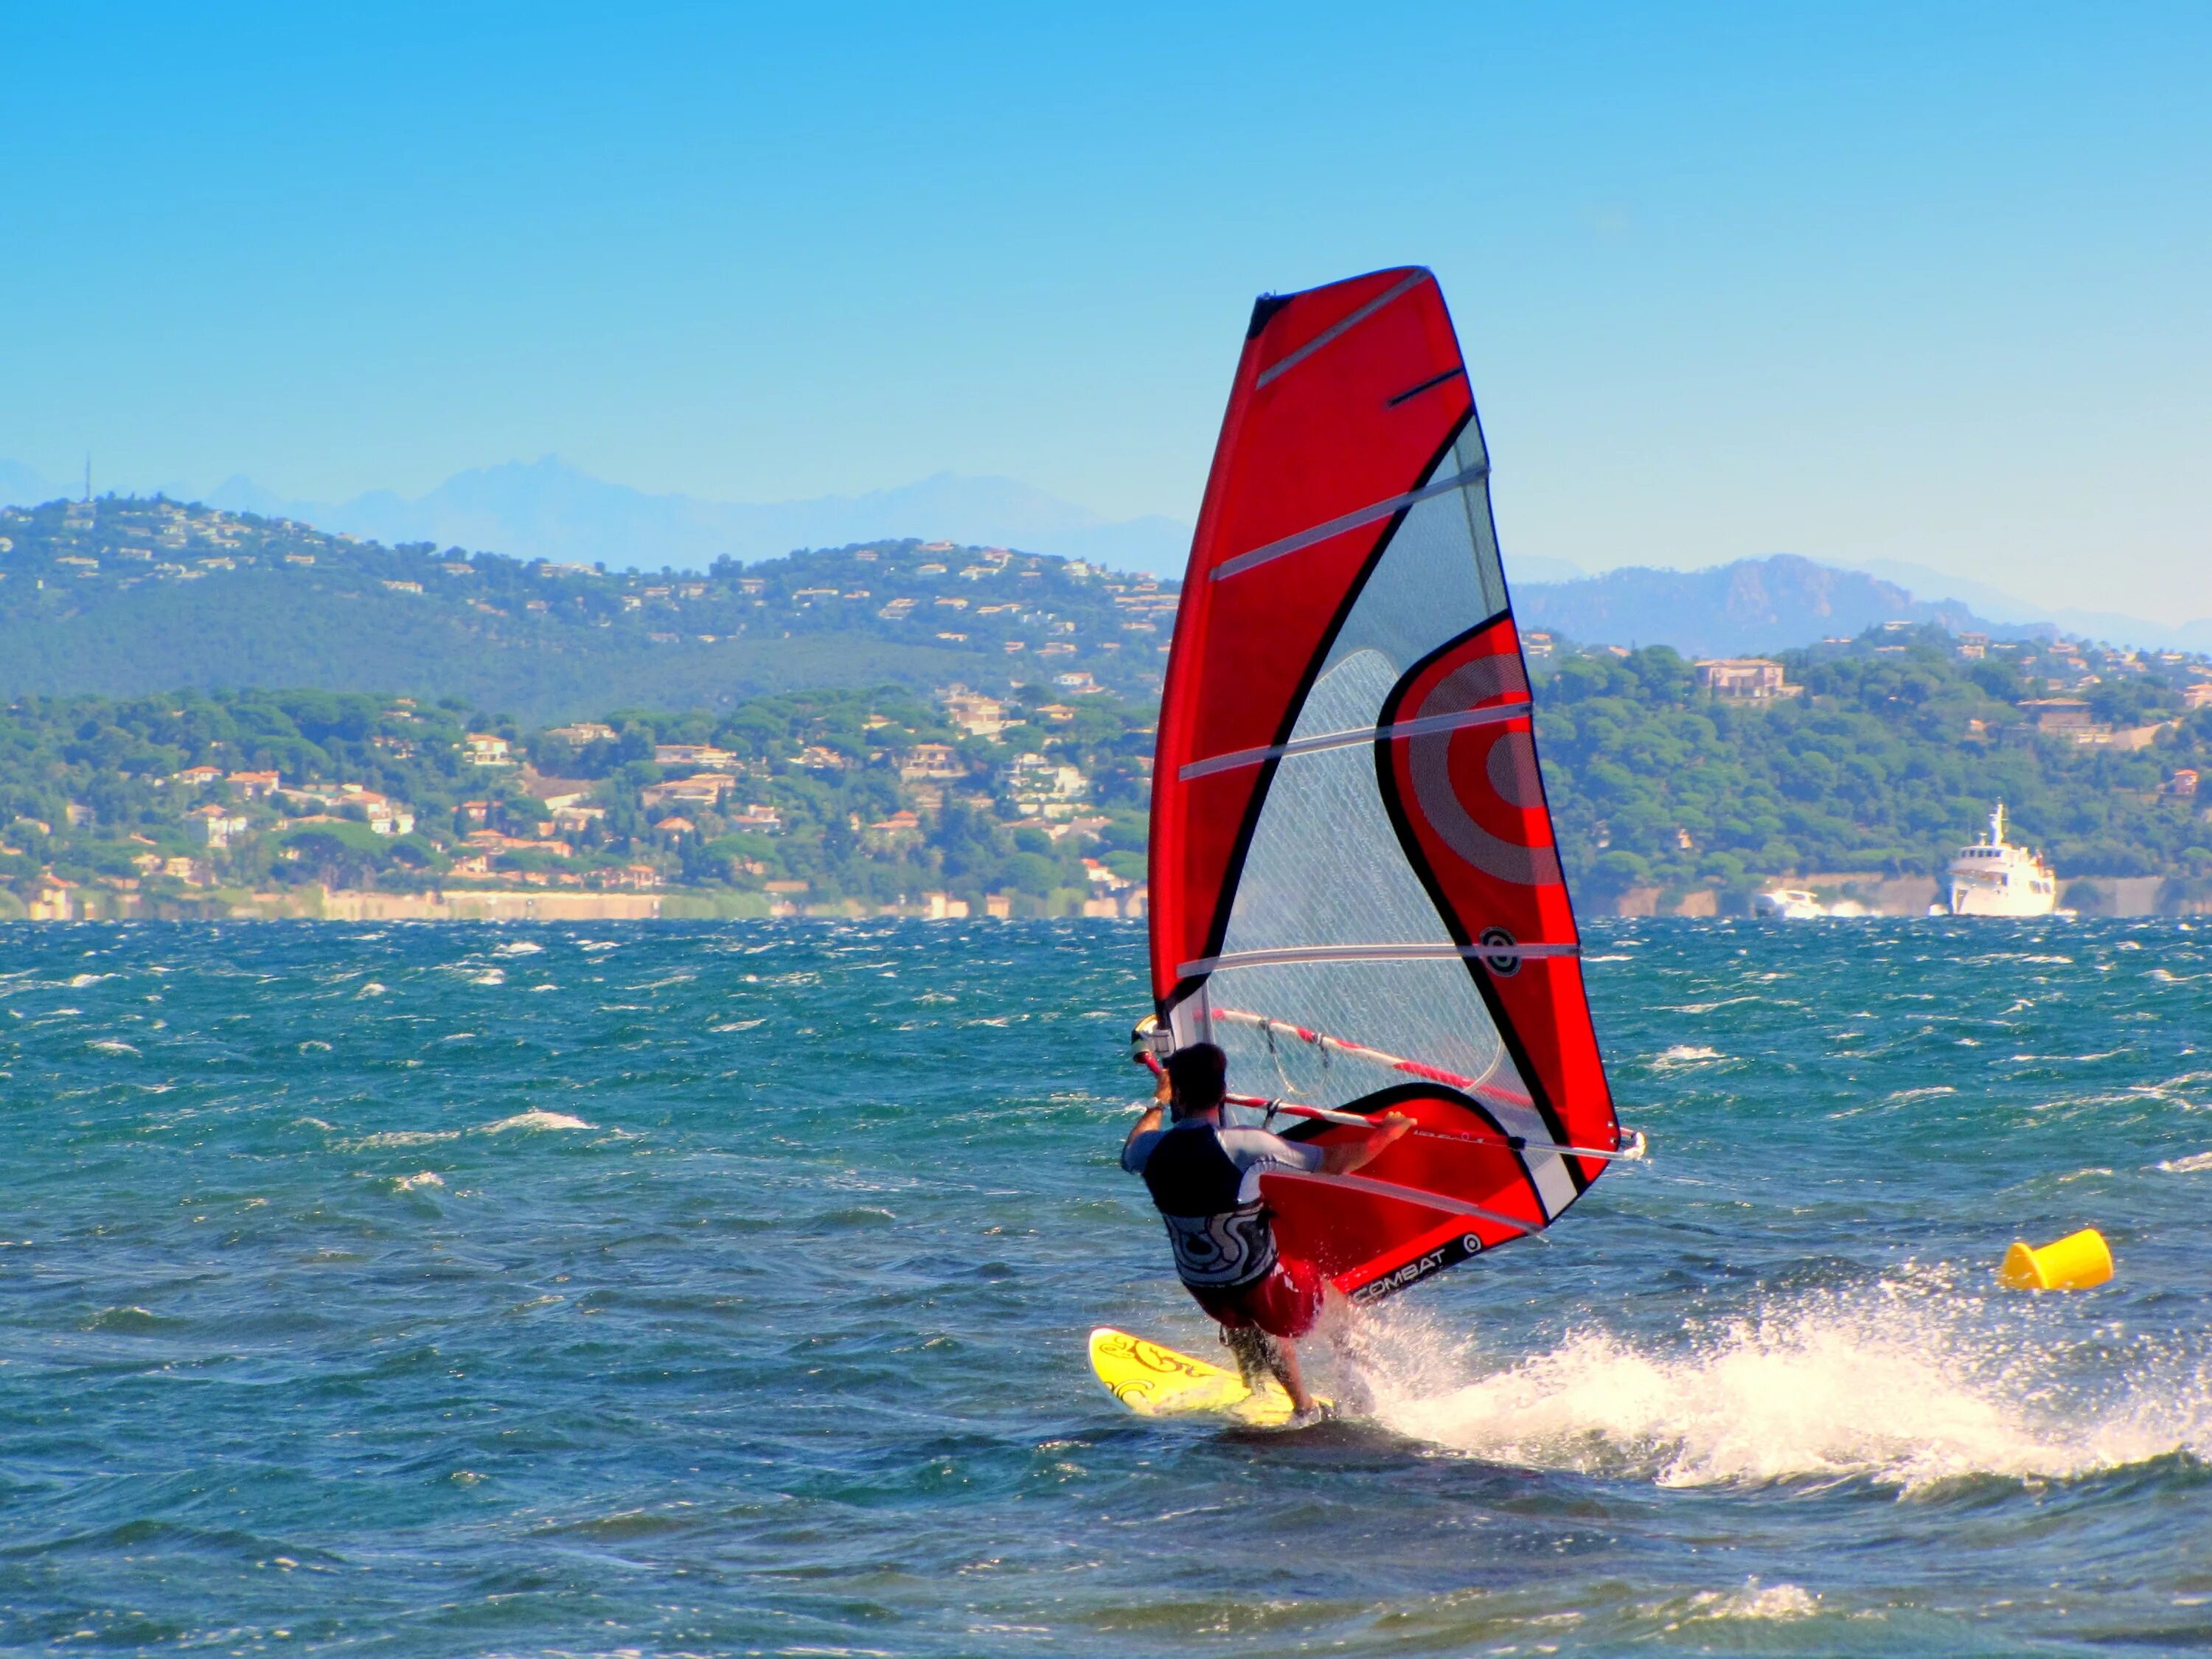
1313,1412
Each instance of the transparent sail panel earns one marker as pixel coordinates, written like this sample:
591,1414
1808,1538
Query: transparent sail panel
1325,867
1426,1012
1327,1034
1439,576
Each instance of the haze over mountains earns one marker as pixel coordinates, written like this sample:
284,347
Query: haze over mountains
549,509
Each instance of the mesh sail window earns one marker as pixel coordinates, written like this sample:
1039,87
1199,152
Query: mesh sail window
1355,890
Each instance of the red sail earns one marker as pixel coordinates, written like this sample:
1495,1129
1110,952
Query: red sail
1354,886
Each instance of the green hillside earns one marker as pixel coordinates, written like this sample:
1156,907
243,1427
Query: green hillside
122,597
1885,762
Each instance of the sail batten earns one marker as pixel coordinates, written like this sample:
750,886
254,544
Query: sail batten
1349,521
1349,831
1511,711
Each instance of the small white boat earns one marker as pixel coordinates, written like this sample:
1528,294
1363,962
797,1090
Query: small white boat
1994,878
1789,904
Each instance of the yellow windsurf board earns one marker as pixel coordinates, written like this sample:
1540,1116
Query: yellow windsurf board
1153,1381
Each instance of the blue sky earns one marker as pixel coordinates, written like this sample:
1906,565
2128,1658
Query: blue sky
1864,282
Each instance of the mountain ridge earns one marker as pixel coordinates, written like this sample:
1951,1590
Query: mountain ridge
550,510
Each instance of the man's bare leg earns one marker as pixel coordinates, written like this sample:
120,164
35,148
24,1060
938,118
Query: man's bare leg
1293,1381
1259,1354
1250,1346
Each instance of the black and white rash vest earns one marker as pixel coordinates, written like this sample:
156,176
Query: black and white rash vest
1205,1181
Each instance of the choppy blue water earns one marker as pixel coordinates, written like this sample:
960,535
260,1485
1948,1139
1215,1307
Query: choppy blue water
724,1290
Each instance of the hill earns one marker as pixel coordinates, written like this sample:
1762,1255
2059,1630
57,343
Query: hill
123,596
1885,762
549,509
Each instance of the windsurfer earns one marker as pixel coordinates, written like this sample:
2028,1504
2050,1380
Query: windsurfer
1206,1180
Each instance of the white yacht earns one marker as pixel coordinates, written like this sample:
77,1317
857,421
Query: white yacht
1993,877
1789,904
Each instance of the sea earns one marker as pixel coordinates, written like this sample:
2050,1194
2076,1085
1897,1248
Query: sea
611,1289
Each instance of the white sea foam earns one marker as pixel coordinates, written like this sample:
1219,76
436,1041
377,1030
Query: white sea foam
2189,1165
399,1138
371,989
111,1046
535,1118
1683,1053
490,976
410,1184
521,947
1900,1096
1907,1385
1754,1600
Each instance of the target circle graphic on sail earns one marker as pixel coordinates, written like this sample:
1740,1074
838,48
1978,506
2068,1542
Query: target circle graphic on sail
1478,785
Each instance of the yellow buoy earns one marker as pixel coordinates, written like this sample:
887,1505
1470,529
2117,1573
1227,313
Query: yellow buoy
2074,1263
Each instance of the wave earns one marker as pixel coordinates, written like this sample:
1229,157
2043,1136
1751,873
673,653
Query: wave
1683,1053
1906,1385
535,1118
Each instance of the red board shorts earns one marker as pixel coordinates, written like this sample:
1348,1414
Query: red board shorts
1286,1304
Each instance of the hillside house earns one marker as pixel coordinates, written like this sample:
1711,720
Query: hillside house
215,825
51,900
485,749
977,716
700,789
933,760
385,816
1752,679
254,785
760,818
583,732
1043,788
900,829
692,754
2065,717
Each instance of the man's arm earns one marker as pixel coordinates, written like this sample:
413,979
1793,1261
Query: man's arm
1343,1160
1144,1125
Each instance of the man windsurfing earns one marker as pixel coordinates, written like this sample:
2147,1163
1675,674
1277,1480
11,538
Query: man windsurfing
1205,1181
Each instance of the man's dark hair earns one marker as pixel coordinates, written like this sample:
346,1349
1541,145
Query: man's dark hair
1198,1073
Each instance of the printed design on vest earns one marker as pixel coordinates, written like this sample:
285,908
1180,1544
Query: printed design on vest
1225,1251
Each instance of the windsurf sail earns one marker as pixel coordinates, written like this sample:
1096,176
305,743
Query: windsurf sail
1355,890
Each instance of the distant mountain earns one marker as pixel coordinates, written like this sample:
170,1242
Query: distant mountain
2002,607
548,509
1536,567
1764,604
1753,605
21,485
